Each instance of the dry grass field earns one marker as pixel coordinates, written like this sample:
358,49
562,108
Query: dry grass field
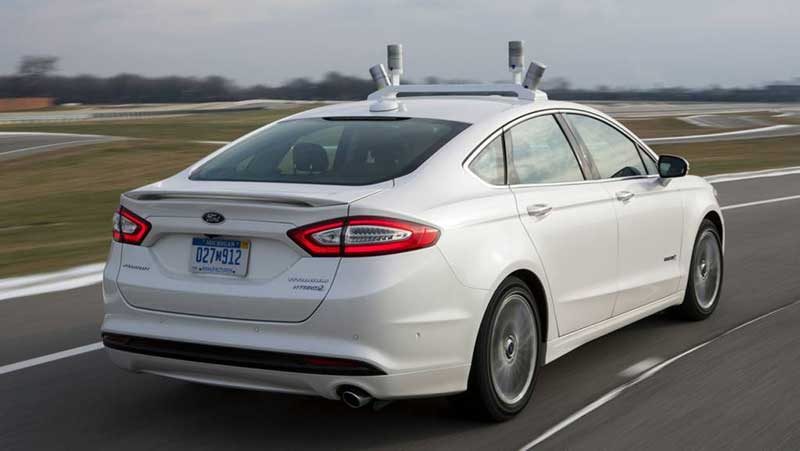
200,127
57,206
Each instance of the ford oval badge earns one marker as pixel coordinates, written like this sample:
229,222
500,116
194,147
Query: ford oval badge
212,217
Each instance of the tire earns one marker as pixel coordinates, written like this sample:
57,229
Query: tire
508,355
705,275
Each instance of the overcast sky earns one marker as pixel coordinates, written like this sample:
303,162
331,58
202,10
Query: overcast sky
640,43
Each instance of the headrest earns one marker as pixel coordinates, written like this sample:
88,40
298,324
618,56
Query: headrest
310,157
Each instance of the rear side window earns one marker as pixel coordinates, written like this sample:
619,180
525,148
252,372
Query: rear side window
540,153
490,164
334,151
613,153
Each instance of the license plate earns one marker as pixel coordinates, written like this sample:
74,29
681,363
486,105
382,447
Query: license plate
219,256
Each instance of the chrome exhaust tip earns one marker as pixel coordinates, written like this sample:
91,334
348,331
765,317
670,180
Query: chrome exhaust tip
355,397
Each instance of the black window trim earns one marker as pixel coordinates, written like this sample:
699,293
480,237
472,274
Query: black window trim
580,151
503,137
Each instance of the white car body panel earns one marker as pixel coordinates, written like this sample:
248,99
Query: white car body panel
598,262
577,242
650,234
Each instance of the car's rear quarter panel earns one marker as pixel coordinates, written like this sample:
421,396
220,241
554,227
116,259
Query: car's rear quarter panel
483,239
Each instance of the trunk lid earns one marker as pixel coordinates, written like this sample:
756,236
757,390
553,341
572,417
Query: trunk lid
282,282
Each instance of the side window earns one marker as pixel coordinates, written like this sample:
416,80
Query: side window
540,153
649,163
613,153
490,164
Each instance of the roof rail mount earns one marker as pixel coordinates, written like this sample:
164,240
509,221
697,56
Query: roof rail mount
389,87
391,92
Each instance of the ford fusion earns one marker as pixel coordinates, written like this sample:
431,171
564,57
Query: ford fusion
410,245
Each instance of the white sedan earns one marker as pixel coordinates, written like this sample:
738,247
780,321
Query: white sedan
409,245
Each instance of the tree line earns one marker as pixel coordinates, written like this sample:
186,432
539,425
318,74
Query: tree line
36,77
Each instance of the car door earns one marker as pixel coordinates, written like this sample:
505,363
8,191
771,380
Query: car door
570,221
649,212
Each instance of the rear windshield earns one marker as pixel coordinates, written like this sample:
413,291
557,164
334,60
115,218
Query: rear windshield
333,151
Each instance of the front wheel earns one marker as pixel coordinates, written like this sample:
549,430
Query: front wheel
508,354
705,275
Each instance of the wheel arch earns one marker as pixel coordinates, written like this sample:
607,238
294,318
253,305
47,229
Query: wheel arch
716,219
536,286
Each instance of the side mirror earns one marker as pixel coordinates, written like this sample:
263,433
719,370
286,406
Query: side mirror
670,166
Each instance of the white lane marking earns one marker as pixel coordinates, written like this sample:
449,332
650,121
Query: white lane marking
734,176
639,368
16,282
69,284
77,277
759,202
613,394
50,358
65,143
750,131
694,119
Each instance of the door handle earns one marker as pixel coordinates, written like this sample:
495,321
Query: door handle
539,209
624,196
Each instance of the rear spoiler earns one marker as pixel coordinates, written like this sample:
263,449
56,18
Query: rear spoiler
272,198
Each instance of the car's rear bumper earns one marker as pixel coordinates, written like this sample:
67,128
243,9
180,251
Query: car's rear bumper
399,385
405,315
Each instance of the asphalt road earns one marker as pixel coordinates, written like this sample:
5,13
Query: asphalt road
16,145
739,391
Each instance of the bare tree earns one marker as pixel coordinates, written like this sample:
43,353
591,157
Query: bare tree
37,66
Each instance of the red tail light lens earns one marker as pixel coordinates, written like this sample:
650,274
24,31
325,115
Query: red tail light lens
322,239
129,228
363,236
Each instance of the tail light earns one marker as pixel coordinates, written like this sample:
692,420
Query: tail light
363,236
128,227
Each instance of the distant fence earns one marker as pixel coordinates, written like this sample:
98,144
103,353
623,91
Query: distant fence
25,103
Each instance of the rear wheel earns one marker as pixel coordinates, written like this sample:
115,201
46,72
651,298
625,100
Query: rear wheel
705,275
508,354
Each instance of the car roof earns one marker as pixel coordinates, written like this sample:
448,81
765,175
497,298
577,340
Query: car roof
467,109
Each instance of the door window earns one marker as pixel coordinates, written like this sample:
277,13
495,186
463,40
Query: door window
613,153
540,153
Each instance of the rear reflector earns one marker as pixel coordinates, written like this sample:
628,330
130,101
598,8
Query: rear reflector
129,228
363,236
